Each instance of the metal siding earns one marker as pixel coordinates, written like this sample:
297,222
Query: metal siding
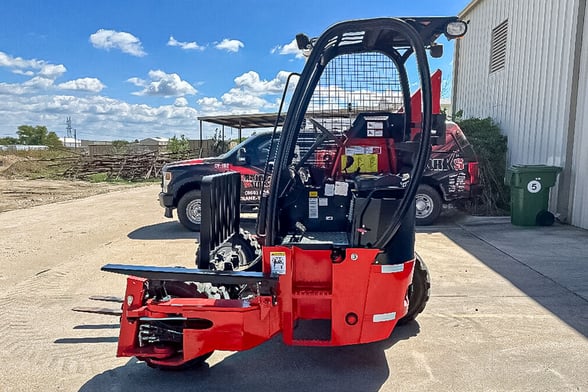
530,97
579,194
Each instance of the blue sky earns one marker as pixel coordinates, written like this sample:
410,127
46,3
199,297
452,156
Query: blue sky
135,69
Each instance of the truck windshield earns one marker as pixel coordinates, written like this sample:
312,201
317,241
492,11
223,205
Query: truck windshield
234,150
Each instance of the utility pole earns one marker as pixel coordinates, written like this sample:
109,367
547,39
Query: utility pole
68,132
68,127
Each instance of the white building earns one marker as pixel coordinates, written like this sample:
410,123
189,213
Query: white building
525,64
155,141
70,142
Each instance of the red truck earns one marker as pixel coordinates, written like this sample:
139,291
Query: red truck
451,173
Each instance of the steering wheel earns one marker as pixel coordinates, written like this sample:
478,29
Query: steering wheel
325,131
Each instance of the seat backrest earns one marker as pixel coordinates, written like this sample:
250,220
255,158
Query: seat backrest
369,146
378,124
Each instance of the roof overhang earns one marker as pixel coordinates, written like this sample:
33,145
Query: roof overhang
245,121
468,8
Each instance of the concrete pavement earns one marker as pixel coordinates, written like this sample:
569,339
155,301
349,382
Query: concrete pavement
508,312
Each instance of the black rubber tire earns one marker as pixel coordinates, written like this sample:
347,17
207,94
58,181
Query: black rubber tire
188,208
418,292
192,364
428,205
545,218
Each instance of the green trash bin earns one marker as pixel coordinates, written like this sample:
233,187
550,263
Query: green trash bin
529,193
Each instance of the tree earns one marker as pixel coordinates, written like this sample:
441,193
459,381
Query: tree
178,146
491,148
52,140
38,135
219,146
120,146
9,140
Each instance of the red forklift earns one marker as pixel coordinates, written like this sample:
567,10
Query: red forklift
332,260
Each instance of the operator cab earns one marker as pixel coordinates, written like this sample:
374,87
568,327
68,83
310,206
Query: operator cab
335,175
352,153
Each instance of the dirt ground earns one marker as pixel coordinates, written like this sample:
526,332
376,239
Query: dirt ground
24,193
17,192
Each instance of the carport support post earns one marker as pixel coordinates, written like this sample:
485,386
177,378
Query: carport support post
200,146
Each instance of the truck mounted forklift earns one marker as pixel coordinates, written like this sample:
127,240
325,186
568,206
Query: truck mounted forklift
332,259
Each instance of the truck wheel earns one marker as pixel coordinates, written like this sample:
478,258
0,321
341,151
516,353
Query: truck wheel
419,291
428,205
190,210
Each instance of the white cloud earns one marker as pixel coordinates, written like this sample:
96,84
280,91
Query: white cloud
289,49
184,45
250,81
239,100
97,117
24,73
251,94
137,82
40,100
230,45
19,63
162,84
51,71
83,84
210,105
42,77
111,39
32,67
180,102
38,83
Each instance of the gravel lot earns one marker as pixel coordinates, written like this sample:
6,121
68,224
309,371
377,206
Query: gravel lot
491,324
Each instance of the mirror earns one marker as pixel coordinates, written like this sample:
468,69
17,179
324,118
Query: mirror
436,51
242,157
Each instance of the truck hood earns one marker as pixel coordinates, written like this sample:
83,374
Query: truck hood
192,162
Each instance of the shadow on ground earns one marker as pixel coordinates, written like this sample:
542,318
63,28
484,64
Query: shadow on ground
272,366
163,231
549,264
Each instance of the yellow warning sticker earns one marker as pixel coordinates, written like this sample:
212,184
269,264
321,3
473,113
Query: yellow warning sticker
362,163
313,194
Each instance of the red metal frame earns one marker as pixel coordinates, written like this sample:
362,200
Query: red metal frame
416,99
312,287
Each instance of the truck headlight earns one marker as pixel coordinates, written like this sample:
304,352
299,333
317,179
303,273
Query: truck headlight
167,177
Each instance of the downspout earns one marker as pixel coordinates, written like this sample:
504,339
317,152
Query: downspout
455,78
565,195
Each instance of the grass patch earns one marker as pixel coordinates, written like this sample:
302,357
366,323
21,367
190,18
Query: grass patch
98,177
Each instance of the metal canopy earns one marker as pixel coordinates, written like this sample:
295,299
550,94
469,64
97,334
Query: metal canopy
245,121
265,120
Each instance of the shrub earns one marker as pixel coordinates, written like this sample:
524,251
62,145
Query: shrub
180,147
491,147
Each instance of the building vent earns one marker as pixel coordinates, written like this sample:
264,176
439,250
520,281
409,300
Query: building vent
498,47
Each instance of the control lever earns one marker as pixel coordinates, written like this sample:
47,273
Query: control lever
300,230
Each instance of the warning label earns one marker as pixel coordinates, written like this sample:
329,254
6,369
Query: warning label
278,262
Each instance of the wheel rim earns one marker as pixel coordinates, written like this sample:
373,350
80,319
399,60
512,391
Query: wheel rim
230,254
424,206
194,211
